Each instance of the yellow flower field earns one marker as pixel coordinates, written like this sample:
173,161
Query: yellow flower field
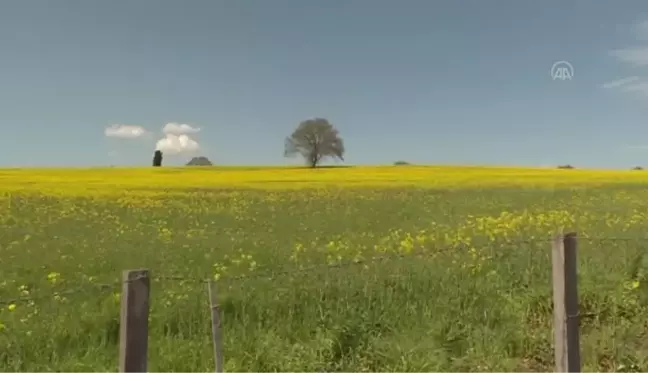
103,180
339,269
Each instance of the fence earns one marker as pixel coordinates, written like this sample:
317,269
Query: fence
136,288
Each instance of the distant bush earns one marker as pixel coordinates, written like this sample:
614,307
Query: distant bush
199,161
566,167
638,168
401,163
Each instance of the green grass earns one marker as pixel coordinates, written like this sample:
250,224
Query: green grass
483,304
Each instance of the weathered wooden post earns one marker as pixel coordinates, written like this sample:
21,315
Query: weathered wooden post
133,326
565,301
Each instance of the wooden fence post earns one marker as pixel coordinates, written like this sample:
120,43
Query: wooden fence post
133,325
565,303
215,324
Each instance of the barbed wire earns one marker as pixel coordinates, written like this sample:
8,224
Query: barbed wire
272,273
80,289
117,285
268,274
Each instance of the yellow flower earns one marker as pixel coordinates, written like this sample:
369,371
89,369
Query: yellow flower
11,307
635,284
53,277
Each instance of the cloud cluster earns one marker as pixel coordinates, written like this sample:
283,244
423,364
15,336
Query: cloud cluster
179,129
621,82
175,140
636,56
124,131
177,144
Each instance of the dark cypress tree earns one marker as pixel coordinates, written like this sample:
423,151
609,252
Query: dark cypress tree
157,159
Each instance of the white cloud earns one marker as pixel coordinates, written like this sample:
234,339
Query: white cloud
636,147
179,129
177,144
640,87
636,56
640,30
620,82
124,131
629,85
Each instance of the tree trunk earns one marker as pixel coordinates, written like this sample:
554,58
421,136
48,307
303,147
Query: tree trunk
314,158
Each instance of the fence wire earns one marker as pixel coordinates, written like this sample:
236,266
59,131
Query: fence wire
270,273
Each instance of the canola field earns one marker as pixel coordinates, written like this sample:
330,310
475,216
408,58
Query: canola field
333,269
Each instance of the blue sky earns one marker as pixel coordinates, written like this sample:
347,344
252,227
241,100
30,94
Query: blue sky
426,81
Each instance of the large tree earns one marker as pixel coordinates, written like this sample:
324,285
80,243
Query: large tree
315,139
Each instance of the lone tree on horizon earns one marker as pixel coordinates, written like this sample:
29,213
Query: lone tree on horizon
157,159
315,139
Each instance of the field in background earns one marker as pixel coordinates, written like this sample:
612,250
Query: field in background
104,180
455,271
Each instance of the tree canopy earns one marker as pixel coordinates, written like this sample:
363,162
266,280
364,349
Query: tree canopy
315,139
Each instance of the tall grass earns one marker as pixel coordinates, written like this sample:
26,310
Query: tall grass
446,278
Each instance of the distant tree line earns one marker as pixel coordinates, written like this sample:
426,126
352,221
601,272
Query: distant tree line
314,140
